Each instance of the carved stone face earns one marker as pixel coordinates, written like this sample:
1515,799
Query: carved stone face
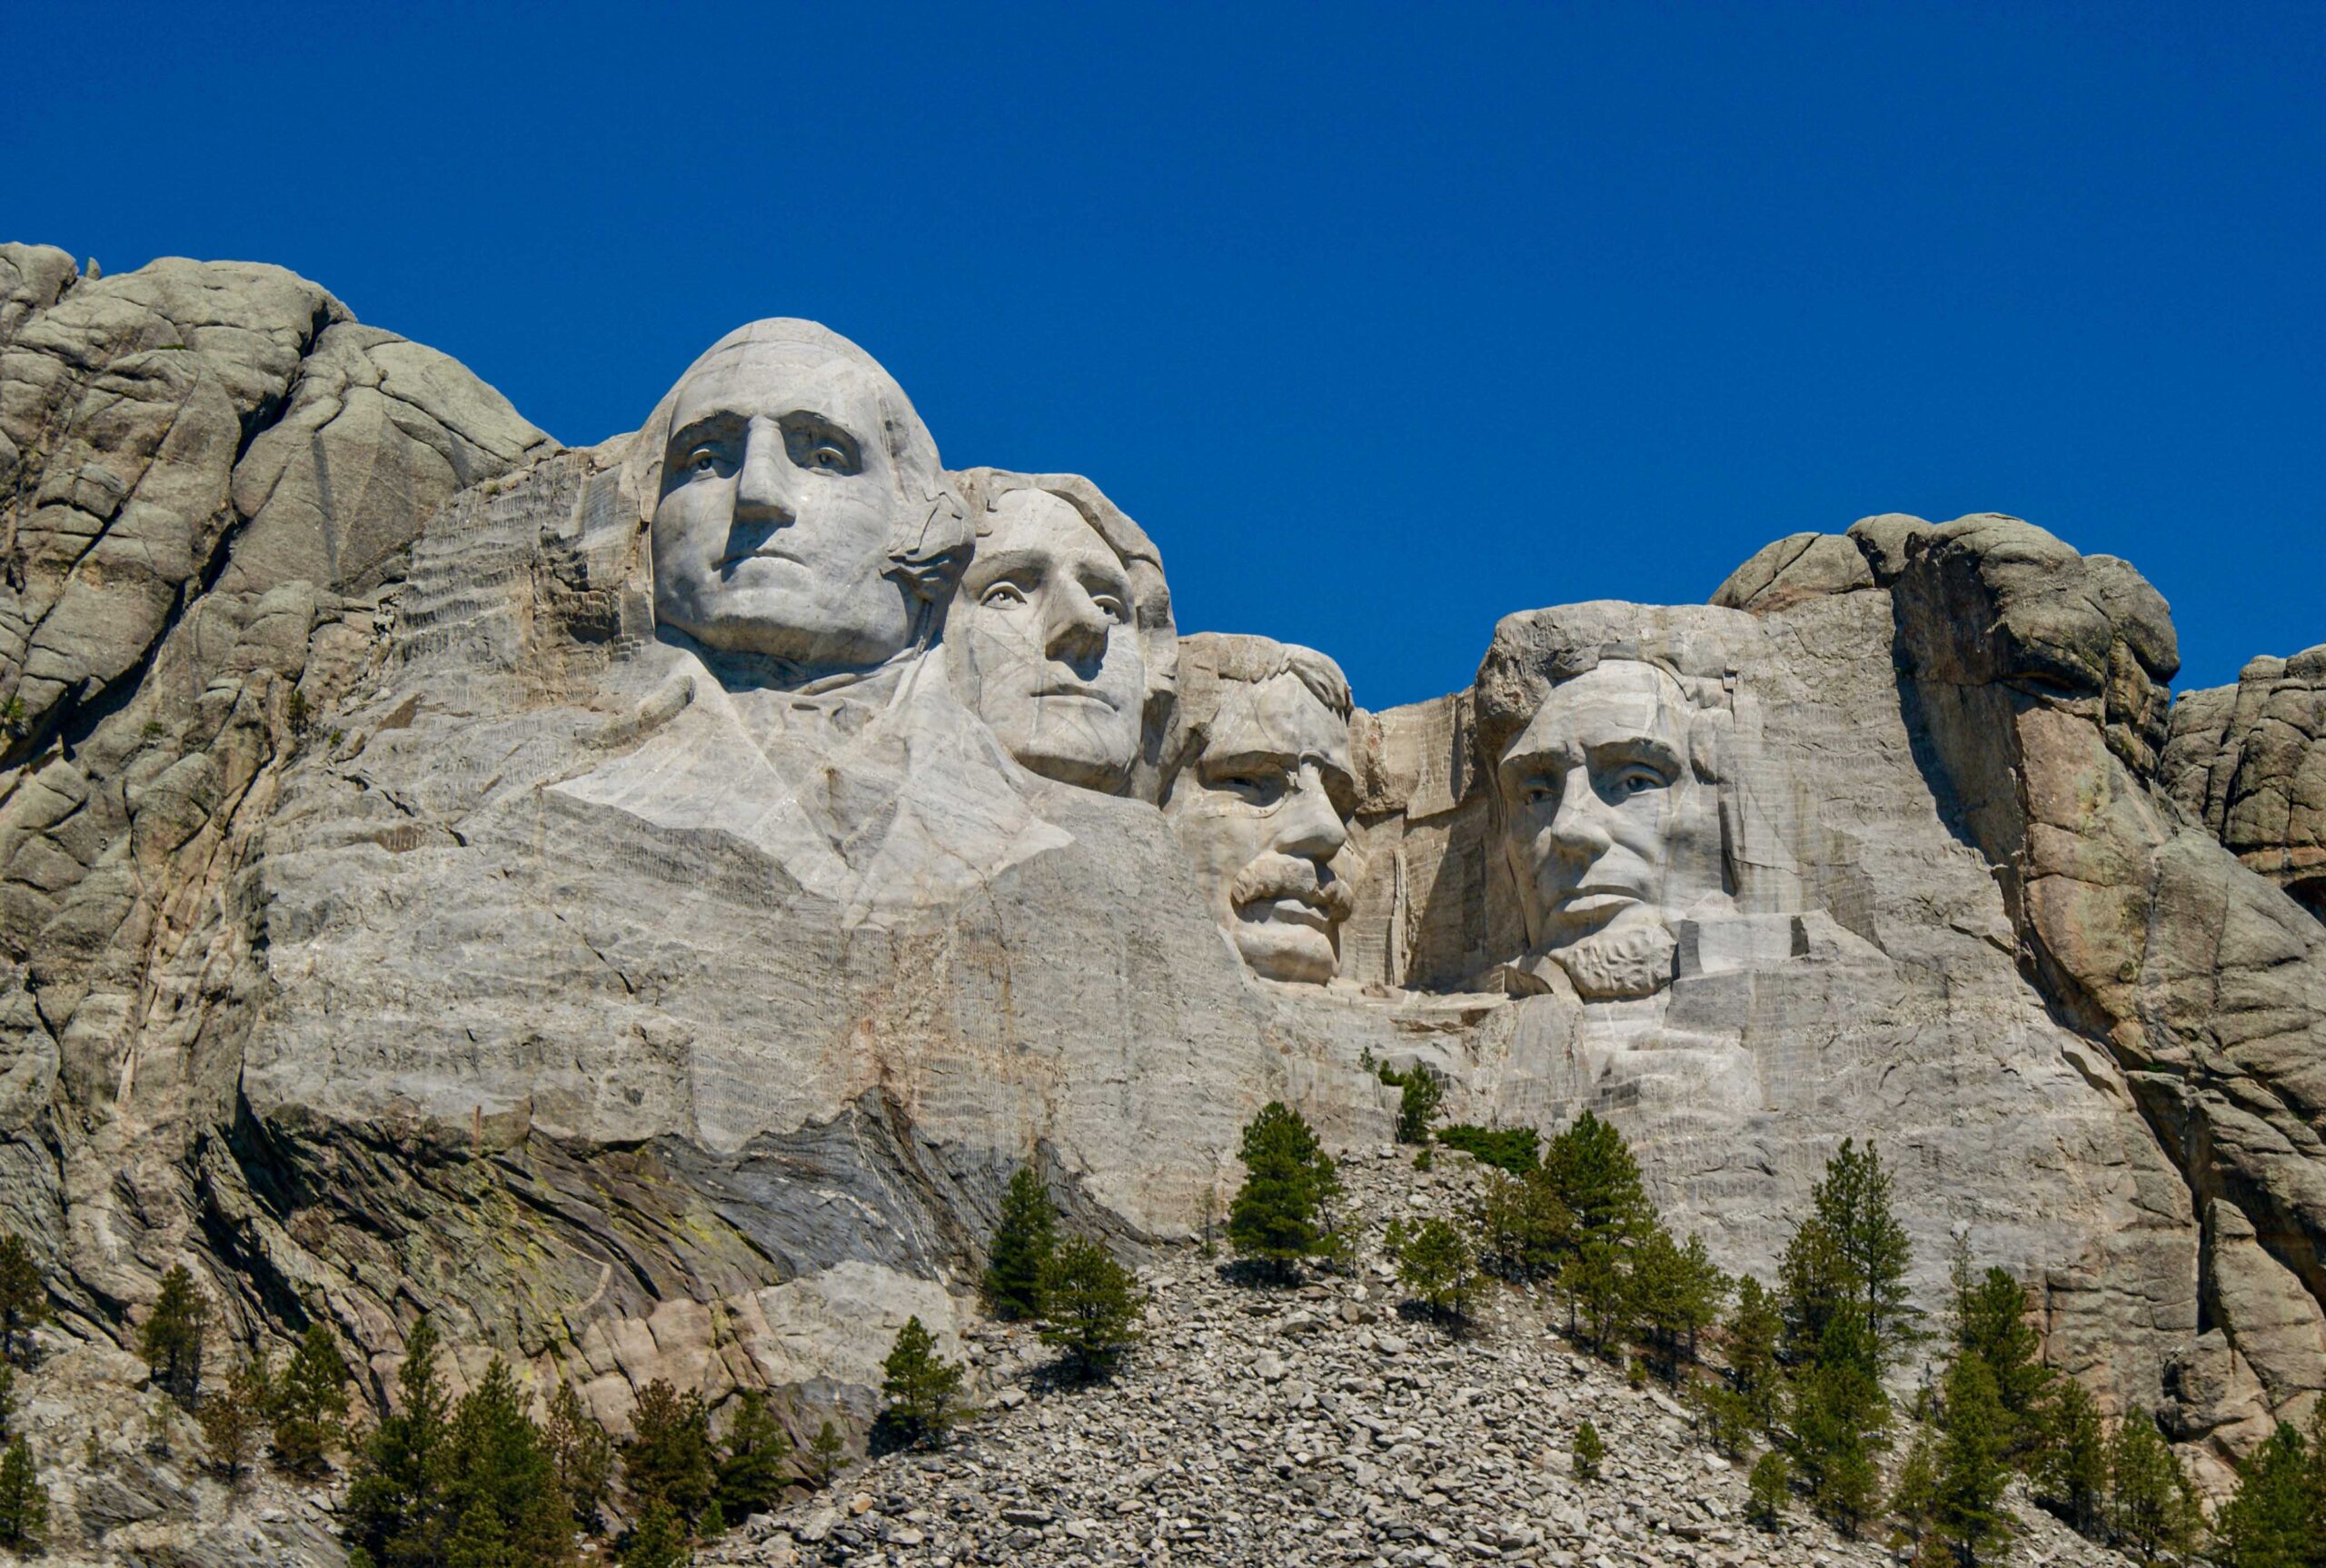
1044,644
779,502
1610,827
1262,812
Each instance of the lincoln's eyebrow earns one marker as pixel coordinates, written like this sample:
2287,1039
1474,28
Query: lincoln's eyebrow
1648,748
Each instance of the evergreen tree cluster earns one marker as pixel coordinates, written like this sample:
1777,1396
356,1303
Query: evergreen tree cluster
1421,1094
2277,1517
443,1483
1285,1214
1088,1306
24,1306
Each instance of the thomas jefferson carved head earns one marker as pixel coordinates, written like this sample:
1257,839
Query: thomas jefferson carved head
1260,794
1613,823
1061,636
801,511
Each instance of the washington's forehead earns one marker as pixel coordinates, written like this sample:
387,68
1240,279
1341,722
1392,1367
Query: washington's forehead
1278,717
758,377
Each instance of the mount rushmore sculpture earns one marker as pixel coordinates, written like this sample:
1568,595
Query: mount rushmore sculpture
639,904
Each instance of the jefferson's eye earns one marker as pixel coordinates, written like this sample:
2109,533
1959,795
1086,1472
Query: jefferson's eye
702,459
1003,593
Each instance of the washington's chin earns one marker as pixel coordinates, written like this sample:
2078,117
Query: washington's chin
1287,940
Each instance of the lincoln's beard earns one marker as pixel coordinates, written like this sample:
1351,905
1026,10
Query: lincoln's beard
1622,962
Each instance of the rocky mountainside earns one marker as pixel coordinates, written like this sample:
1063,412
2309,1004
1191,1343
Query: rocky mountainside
637,905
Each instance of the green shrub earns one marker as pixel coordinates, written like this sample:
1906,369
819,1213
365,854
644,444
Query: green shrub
1514,1149
1021,1248
1281,1214
920,1385
1589,1453
1091,1306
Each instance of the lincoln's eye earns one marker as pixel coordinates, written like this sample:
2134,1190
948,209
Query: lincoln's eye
1110,607
1003,593
1254,786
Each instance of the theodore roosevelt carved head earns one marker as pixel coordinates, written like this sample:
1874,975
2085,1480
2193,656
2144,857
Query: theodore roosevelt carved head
1259,795
801,513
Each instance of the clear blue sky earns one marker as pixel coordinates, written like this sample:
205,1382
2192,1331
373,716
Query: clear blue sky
1384,321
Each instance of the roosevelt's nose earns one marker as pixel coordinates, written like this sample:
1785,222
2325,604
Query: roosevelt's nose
1309,825
1578,830
1077,629
764,483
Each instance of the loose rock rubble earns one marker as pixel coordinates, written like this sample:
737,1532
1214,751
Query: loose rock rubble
1318,1424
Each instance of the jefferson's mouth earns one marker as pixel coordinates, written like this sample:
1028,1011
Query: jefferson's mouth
1287,912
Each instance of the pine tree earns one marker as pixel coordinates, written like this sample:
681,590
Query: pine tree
7,1401
1972,1468
1767,1489
1839,1420
1914,1495
1597,1287
920,1385
171,1339
580,1457
659,1541
1436,1263
1851,1249
1521,1226
1091,1306
500,1488
395,1513
2152,1508
669,1457
1589,1452
1022,1247
231,1418
1676,1292
2071,1472
1592,1172
310,1401
1280,1214
1991,1322
1421,1093
24,1502
1750,1341
23,1300
751,1469
826,1452
2268,1522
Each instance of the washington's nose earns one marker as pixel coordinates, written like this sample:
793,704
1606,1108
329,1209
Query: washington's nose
763,484
1577,830
1078,627
1309,825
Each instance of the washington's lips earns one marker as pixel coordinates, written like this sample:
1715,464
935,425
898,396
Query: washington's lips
763,553
1052,689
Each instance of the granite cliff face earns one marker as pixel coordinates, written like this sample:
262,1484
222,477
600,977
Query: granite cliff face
639,904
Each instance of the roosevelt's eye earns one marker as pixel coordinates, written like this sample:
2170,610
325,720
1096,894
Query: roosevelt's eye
1004,594
1541,793
1254,786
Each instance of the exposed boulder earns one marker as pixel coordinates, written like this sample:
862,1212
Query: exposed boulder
2249,762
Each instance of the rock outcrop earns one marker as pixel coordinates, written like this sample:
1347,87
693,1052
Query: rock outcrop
416,901
2249,762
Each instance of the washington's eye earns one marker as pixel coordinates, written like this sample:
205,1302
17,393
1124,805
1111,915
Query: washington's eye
830,458
702,459
1002,593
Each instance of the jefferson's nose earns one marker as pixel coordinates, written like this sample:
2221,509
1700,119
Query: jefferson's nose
1309,825
764,484
1077,631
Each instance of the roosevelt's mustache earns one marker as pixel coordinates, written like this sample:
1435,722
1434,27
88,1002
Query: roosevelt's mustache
1273,876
